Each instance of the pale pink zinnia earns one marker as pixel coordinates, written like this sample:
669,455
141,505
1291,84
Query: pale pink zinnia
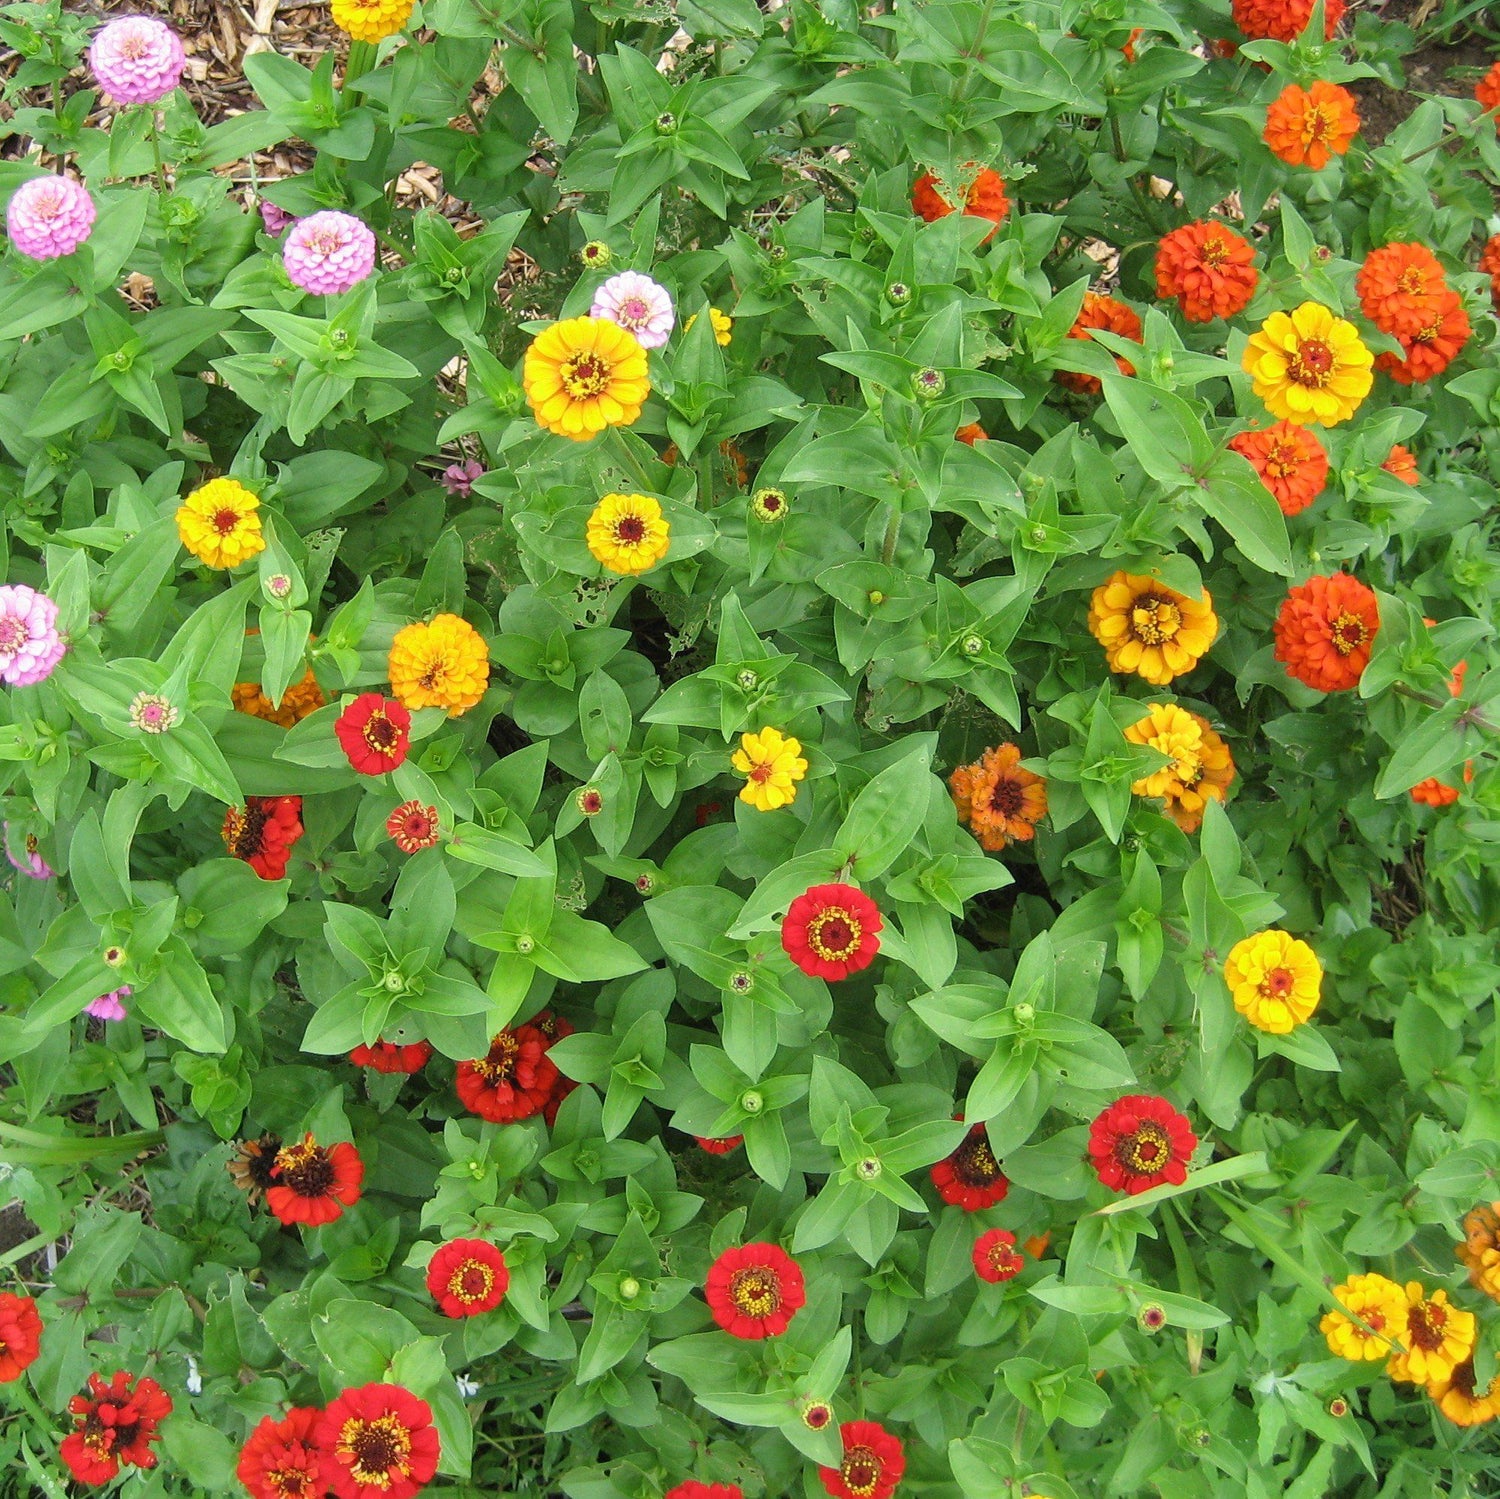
49,217
29,861
458,478
109,1006
329,252
137,59
638,304
30,646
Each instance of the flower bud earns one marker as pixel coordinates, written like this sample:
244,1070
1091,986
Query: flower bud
666,123
590,801
747,680
645,883
816,1414
751,1101
525,944
596,255
972,645
1338,1407
630,1288
869,1168
768,505
1152,1317
741,982
898,294
928,384
278,585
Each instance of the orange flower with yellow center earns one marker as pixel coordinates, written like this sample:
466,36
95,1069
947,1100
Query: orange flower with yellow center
1000,799
1309,127
1433,347
1150,629
1400,286
300,699
1200,768
1289,461
1480,1251
1111,316
585,374
1209,268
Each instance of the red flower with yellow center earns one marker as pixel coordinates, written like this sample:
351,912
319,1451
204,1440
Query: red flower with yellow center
1401,287
1209,268
971,1177
984,198
1001,801
314,1183
281,1460
1290,461
995,1256
414,827
831,931
1325,630
1433,347
755,1291
1140,1141
1311,126
872,1465
466,1277
116,1425
375,733
390,1058
263,831
20,1335
1112,317
377,1442
512,1081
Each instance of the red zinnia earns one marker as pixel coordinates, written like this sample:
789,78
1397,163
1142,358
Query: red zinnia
1283,20
413,826
971,1177
872,1466
1290,461
995,1257
754,1291
1114,317
466,1277
1402,464
1325,630
984,199
1433,347
280,1460
1434,793
1209,268
377,1442
314,1183
375,733
1489,264
388,1057
1487,91
512,1081
971,434
555,1028
116,1426
832,931
1400,287
263,831
719,1147
692,1489
1140,1141
20,1335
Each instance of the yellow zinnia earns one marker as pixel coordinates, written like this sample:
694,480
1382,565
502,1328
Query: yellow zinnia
218,523
1150,629
1201,767
1309,366
300,699
1455,1396
627,533
585,374
772,764
723,326
1275,980
1438,1338
445,664
371,20
1380,1303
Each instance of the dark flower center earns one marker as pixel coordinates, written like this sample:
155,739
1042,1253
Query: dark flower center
381,734
1349,633
861,1470
974,1163
500,1065
585,376
13,634
1154,619
1312,364
1006,798
834,934
307,1169
629,530
244,831
471,1281
1426,1324
293,1483
377,1447
1145,1149
225,521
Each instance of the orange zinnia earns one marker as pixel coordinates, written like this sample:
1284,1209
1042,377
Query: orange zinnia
1290,461
1433,793
1114,317
1324,632
1400,287
1311,126
1001,802
1283,20
1402,464
983,199
1489,264
1487,91
971,434
1432,348
1209,269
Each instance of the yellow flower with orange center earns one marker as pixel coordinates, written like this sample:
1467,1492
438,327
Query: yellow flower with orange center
371,20
1200,766
1460,1402
585,374
1377,1302
1150,629
628,534
1436,1338
1309,366
218,523
1480,1251
772,764
1275,979
443,664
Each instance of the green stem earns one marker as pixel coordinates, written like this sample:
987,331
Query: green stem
359,62
892,536
161,170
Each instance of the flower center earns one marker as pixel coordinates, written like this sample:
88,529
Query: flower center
1412,282
1006,797
1312,364
292,1483
585,376
634,312
381,734
761,771
861,1470
1349,633
1277,984
324,241
13,634
974,1163
1282,460
756,1290
225,521
377,1447
630,530
1214,252
1317,125
306,1168
1462,1378
1375,1319
471,1281
1430,332
244,831
1154,620
1427,1323
1003,1259
500,1065
1145,1150
834,934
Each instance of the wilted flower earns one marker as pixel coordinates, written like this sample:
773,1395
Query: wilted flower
458,478
109,1006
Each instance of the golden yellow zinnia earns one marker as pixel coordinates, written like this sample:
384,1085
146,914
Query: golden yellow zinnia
371,20
627,533
444,664
723,326
1150,629
1275,979
772,764
219,525
300,699
1456,1397
1378,1302
585,374
1309,366
1201,767
1437,1338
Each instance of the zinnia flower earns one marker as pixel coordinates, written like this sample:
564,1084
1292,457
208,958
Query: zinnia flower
377,1442
1400,287
720,1146
1276,980
970,434
721,322
281,1459
637,304
375,733
1480,1251
1380,1303
1209,268
371,20
30,646
1456,1397
458,478
831,931
1311,126
1113,317
1200,769
390,1058
1290,462
441,664
414,827
628,534
313,1183
274,220
1436,1339
467,1277
299,700
692,1489
1401,463
1150,629
1435,793
1433,347
251,1165
754,1291
1487,91
137,59
20,1335
772,764
512,1080
1324,632
971,1177
1283,20
872,1465
1309,366
29,861
1000,799
585,374
329,252
1139,1142
116,1425
984,198
109,1006
219,524
263,832
995,1257
49,217
1489,264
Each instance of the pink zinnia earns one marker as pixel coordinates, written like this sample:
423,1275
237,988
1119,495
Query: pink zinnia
49,217
30,646
275,219
30,862
137,59
109,1006
635,302
458,478
329,252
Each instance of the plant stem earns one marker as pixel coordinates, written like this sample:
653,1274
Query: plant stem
161,170
892,536
359,62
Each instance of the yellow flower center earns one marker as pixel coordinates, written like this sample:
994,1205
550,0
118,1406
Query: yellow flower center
1282,459
1317,124
1145,1149
377,1447
1412,282
499,1065
471,1281
974,1163
1214,252
1349,633
1154,619
861,1470
756,1290
834,934
585,376
1312,364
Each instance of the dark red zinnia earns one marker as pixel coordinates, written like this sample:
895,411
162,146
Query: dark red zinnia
513,1080
1140,1141
280,1460
832,931
971,1177
719,1147
377,1442
872,1466
413,827
117,1422
263,831
388,1056
20,1335
754,1291
995,1256
314,1183
466,1277
375,733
